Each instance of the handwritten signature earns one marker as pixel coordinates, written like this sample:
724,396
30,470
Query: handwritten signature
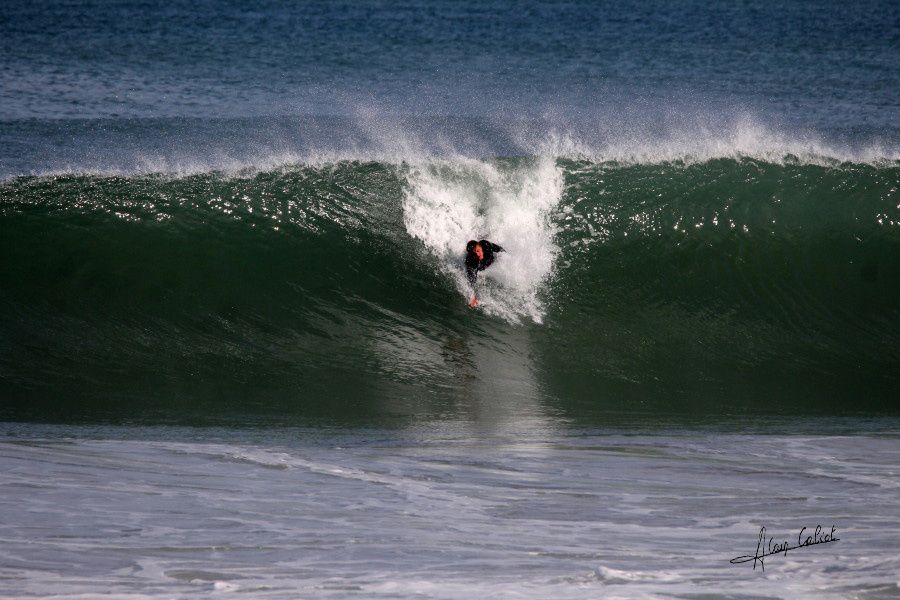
768,548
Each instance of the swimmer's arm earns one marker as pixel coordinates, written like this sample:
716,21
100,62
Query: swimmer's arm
472,275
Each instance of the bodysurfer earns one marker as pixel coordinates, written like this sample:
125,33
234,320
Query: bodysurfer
479,256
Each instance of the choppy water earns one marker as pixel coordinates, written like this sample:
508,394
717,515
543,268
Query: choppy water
235,354
516,510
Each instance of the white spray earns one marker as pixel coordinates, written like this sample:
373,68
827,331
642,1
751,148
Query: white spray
451,201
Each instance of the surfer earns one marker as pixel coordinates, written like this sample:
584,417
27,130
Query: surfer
479,256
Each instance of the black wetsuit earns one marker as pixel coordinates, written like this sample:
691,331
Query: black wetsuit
473,265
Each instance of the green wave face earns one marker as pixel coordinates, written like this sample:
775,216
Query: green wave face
336,292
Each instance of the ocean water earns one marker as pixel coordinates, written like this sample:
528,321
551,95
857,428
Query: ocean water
235,352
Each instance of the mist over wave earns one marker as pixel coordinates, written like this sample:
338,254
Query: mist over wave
626,136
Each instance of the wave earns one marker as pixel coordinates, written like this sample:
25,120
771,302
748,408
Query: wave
644,280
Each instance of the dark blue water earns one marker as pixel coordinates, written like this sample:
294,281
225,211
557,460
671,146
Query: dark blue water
820,62
826,66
